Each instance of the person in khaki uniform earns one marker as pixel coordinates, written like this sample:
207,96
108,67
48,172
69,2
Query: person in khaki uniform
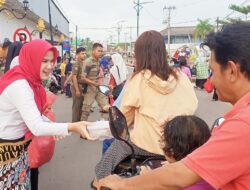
77,93
90,75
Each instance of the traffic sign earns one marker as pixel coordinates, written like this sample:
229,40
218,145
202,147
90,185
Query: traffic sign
66,45
22,35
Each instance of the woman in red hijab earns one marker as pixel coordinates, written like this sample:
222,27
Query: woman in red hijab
22,99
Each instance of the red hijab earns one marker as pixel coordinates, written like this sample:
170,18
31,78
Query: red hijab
30,59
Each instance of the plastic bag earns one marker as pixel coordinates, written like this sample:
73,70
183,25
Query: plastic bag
41,149
208,85
100,130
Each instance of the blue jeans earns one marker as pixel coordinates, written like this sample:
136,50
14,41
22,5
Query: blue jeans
106,144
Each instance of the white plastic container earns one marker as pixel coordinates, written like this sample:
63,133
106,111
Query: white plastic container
100,130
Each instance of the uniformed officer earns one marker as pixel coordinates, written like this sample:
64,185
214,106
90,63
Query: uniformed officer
77,93
90,75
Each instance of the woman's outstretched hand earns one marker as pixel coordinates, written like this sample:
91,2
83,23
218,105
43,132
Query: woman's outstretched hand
81,128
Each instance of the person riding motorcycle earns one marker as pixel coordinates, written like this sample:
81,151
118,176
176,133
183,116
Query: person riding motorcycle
154,94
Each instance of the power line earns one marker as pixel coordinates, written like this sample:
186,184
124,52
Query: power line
138,7
234,11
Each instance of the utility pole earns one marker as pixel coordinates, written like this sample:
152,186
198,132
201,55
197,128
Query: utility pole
217,24
125,35
138,7
50,24
170,8
76,37
119,29
130,40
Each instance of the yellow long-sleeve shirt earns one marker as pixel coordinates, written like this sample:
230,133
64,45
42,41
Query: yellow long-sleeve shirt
149,102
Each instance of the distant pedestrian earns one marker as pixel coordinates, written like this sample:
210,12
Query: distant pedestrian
78,84
184,67
202,70
68,80
90,75
63,76
12,53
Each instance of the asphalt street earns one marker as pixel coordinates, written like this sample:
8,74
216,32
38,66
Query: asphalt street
72,167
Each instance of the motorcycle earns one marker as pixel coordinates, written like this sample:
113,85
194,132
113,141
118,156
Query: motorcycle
107,92
130,166
55,82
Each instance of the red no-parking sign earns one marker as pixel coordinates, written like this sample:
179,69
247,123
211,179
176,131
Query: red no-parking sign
22,35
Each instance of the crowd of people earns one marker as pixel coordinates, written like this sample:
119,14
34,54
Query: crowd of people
158,101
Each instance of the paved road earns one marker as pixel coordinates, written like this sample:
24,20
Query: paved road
72,167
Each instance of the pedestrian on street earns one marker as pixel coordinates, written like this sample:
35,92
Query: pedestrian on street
22,103
118,72
223,161
3,54
78,84
90,75
184,67
12,52
63,75
67,83
202,70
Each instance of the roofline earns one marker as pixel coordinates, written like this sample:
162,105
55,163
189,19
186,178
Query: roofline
60,10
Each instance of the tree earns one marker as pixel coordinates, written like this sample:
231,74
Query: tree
203,28
87,43
230,21
241,9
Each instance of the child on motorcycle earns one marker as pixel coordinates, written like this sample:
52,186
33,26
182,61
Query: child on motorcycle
181,136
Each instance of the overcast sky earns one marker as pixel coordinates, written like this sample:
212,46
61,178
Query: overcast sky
98,19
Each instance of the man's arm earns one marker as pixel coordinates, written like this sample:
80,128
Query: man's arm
89,81
75,84
172,176
68,79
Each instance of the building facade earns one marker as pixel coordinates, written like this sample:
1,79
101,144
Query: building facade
181,36
38,9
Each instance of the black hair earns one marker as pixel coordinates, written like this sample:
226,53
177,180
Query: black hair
80,49
232,43
182,61
6,44
13,51
95,45
183,134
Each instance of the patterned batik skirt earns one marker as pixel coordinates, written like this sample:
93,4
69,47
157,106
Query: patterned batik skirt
14,166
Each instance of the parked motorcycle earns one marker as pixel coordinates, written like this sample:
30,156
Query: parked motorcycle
55,84
107,92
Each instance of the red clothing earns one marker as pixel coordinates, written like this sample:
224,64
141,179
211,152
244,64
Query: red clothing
112,81
30,59
224,161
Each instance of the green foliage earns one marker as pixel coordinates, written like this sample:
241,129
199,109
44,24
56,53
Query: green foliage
241,9
230,21
203,28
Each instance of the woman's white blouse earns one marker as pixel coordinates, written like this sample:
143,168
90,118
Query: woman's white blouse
19,113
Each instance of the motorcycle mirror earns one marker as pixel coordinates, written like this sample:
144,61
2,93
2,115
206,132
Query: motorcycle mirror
104,89
118,124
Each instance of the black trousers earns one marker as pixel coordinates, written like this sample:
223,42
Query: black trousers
34,178
215,96
200,82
